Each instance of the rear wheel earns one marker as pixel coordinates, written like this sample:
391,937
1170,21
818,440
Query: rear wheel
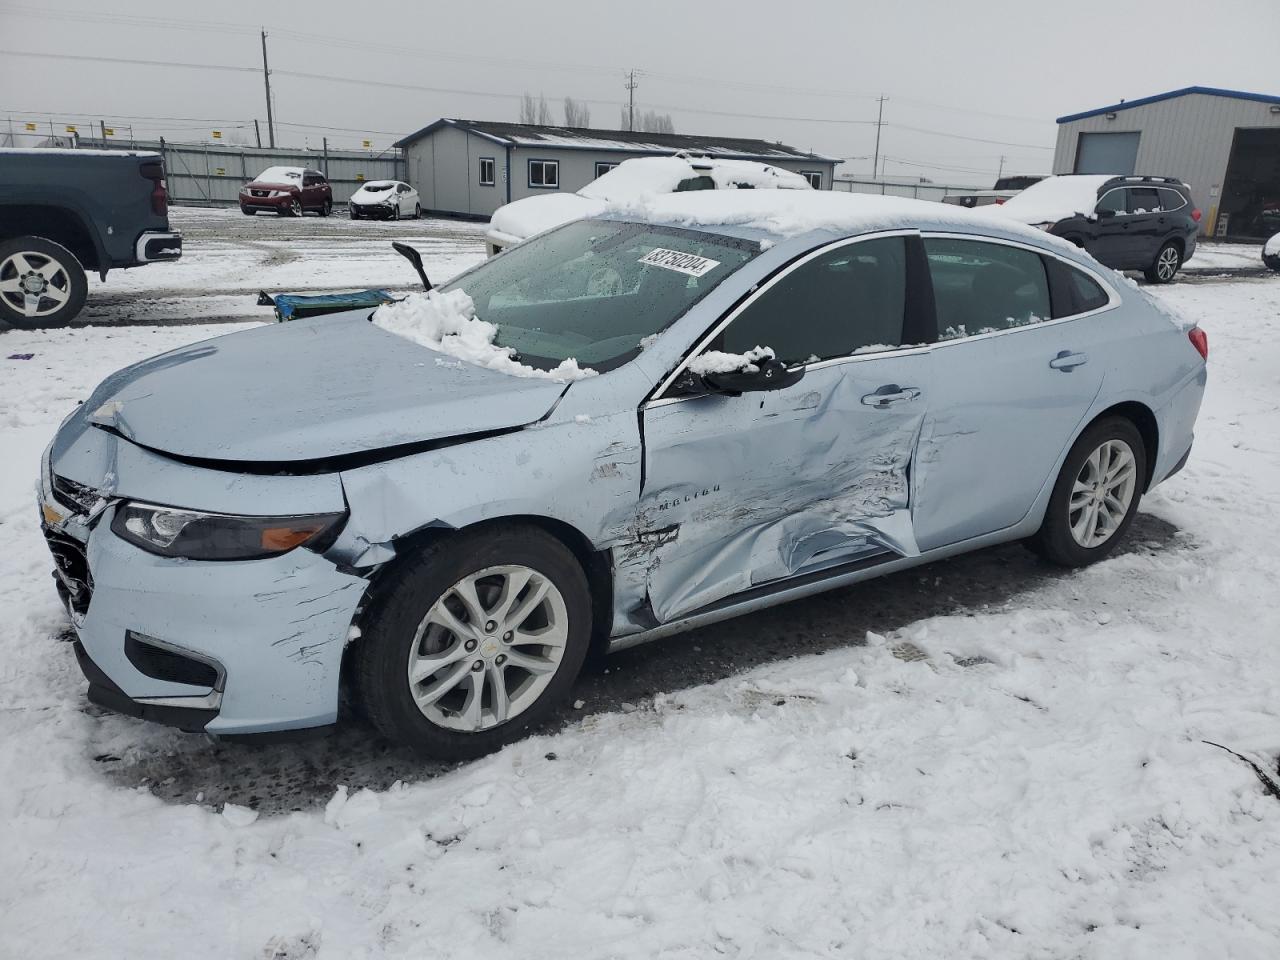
1096,495
417,211
475,640
327,208
41,283
1165,267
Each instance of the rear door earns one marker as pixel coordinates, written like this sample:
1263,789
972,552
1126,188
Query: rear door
1146,225
1011,384
750,490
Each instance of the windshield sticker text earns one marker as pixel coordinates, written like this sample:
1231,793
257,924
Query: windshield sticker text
690,263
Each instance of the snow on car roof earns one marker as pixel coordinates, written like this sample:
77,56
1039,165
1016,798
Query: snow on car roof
648,175
279,174
1055,198
790,213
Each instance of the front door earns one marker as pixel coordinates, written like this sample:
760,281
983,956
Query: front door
1011,384
744,491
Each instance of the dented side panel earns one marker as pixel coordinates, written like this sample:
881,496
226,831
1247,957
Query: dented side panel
742,491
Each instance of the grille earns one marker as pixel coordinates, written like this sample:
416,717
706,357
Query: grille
259,193
161,663
75,496
70,571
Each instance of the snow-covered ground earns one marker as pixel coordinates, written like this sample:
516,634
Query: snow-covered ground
228,257
1029,777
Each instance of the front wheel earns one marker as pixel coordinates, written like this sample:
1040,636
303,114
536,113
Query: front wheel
1165,267
41,283
476,639
395,212
1096,495
295,208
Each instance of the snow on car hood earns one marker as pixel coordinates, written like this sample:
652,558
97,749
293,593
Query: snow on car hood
1053,199
307,390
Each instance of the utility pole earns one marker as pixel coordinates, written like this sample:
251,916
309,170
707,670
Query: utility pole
266,78
257,132
1000,172
875,163
631,101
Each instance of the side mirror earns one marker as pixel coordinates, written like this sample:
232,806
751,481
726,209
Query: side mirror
771,374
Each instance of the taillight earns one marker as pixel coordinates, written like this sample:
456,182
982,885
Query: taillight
1195,214
159,195
1200,340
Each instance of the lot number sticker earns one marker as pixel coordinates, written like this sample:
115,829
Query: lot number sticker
690,263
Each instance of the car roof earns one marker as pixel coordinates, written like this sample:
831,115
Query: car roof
786,214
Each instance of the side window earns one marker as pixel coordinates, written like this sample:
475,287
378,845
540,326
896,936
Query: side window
848,300
1117,201
487,172
1144,200
981,287
1171,200
603,167
814,177
1086,295
695,183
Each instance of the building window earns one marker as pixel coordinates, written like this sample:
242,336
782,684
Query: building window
487,167
544,174
814,177
603,167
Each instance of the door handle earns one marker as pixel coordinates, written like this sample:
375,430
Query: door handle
1066,361
889,395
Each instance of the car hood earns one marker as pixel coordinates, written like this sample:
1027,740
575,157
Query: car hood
315,389
524,218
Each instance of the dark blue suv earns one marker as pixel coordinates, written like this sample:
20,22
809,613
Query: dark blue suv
1128,223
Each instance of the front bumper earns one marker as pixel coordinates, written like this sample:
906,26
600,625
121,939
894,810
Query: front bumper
374,211
272,630
274,204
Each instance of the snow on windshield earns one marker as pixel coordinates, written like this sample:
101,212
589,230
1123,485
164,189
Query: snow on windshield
377,187
717,361
447,323
279,175
1054,199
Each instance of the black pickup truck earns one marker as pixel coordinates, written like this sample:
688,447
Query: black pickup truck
63,212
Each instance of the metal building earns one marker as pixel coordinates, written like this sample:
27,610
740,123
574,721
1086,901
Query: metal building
470,168
1224,143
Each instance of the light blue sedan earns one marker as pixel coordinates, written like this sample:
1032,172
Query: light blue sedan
625,428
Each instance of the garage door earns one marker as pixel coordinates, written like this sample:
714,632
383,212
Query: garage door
1107,153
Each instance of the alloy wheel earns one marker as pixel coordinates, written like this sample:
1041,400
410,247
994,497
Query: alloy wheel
1167,264
487,648
34,284
295,208
1102,493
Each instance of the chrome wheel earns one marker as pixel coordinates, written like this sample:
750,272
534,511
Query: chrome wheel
34,284
488,648
1102,493
1167,264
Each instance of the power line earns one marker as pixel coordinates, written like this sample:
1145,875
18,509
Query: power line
957,136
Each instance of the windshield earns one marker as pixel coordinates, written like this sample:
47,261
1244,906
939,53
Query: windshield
592,290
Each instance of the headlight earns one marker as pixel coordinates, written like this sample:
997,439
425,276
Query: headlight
169,532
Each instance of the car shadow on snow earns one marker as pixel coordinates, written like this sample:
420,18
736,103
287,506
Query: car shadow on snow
278,778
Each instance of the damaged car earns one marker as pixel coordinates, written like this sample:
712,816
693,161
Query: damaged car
635,424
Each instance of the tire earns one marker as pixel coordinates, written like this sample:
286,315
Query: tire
1272,261
352,211
295,209
1059,540
1165,266
49,270
247,212
395,212
327,208
396,635
417,211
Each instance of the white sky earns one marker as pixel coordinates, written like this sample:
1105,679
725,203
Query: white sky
998,70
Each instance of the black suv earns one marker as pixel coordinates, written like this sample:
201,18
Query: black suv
1128,223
